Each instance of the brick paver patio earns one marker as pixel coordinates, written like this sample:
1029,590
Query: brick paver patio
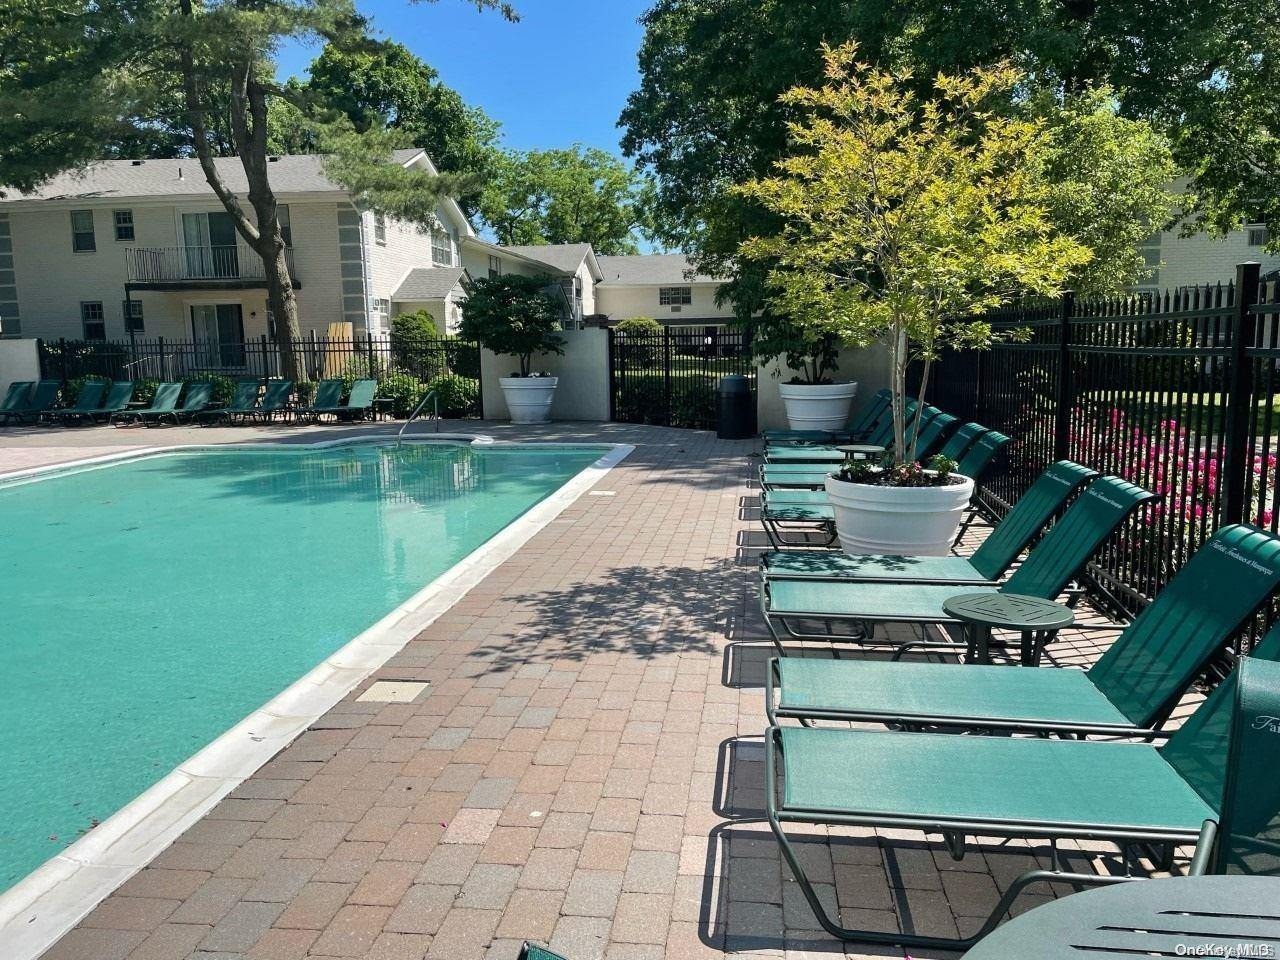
585,768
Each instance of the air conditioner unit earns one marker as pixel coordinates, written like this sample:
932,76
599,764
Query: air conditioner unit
675,309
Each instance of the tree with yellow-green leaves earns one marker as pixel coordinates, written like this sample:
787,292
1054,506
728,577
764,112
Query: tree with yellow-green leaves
904,218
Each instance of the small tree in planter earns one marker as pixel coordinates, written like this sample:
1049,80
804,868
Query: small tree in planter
514,315
903,219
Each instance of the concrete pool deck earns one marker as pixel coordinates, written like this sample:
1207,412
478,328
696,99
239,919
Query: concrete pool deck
584,768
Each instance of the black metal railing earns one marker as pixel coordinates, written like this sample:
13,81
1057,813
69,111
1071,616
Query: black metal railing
404,367
669,379
1174,391
198,264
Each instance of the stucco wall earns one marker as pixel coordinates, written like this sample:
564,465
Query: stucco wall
869,368
621,302
19,360
583,390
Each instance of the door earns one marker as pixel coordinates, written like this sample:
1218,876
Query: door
218,329
210,240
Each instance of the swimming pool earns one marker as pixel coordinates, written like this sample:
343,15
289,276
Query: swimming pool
149,605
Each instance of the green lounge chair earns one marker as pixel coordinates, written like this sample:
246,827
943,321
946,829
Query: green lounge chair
996,554
197,399
1211,784
275,400
244,404
41,397
163,404
359,402
327,399
1046,572
87,402
1130,691
814,454
860,426
17,397
776,476
118,398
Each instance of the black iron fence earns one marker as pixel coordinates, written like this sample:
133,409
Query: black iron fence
1174,391
669,379
404,367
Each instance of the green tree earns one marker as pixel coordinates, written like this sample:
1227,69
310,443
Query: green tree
512,315
381,84
572,195
1203,72
903,218
79,77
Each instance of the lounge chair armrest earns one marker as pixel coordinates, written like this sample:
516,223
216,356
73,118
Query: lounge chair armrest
1203,857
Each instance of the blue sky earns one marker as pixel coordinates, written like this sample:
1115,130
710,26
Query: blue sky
559,76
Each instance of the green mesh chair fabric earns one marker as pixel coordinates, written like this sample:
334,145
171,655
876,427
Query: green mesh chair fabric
805,455
909,689
245,398
829,565
361,396
1028,517
1167,645
87,400
933,433
979,457
277,396
863,600
118,398
199,396
17,396
962,440
1249,834
328,394
1094,517
1199,749
882,432
164,401
531,951
807,497
41,397
1023,781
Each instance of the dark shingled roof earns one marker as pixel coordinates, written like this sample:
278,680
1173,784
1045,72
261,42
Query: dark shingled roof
428,284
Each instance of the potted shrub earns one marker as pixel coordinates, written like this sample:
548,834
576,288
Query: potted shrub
514,316
813,400
903,219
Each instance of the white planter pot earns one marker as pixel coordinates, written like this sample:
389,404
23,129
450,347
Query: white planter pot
907,521
818,406
529,398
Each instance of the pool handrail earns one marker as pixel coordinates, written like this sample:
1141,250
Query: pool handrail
429,395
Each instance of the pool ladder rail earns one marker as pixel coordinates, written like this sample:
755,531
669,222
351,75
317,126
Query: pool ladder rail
429,395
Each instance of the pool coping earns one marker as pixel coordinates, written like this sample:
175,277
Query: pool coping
37,910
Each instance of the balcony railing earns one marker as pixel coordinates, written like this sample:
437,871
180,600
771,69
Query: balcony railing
198,265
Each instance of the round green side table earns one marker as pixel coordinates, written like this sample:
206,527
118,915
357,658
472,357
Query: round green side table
1036,619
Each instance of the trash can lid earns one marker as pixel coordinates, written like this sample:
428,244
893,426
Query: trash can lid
734,383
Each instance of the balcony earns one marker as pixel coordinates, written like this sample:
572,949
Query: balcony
234,266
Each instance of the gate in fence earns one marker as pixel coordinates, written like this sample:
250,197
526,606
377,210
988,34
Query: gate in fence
403,366
670,379
1173,391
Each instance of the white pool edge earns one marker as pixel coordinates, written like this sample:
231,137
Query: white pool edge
51,900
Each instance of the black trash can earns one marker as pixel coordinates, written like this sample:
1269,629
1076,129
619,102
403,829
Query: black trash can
735,409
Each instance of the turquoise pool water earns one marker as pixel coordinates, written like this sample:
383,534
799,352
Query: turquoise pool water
147,607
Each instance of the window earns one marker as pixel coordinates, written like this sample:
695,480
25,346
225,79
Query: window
1257,236
380,228
286,225
495,267
93,320
82,231
441,249
675,296
131,310
124,224
381,314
